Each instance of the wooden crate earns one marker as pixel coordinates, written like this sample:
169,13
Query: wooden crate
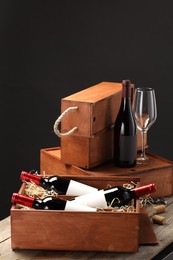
160,171
92,143
84,231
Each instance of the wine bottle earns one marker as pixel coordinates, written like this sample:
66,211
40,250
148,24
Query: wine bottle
115,196
49,203
125,140
59,184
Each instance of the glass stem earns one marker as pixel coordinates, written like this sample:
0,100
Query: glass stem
143,155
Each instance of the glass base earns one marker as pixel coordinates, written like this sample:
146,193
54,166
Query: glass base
143,160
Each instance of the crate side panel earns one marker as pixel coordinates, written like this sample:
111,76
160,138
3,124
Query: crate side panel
75,231
51,164
75,151
80,118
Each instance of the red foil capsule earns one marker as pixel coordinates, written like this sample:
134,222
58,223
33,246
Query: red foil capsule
20,199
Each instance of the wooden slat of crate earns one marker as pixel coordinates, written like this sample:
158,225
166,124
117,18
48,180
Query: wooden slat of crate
74,231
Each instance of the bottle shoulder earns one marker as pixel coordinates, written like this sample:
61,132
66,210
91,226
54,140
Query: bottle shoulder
49,203
124,126
52,179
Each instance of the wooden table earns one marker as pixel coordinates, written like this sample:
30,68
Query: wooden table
164,234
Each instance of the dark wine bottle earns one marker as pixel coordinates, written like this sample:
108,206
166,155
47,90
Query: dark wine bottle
125,140
115,196
59,184
49,203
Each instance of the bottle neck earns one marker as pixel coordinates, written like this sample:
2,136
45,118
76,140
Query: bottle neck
25,176
21,199
126,89
144,190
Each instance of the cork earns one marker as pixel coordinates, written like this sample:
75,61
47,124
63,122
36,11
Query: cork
159,209
157,219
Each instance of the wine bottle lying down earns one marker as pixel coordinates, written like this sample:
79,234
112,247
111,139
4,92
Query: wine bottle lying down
115,196
59,184
49,203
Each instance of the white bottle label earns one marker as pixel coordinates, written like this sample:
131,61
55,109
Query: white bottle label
74,206
94,199
76,188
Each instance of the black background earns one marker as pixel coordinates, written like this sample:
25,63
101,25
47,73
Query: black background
51,49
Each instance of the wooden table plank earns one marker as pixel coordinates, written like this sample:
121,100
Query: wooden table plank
5,229
163,233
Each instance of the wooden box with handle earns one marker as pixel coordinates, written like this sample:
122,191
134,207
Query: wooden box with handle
87,125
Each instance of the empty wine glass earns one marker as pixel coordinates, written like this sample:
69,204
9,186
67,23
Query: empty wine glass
145,113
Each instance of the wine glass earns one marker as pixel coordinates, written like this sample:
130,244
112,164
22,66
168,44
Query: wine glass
145,113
